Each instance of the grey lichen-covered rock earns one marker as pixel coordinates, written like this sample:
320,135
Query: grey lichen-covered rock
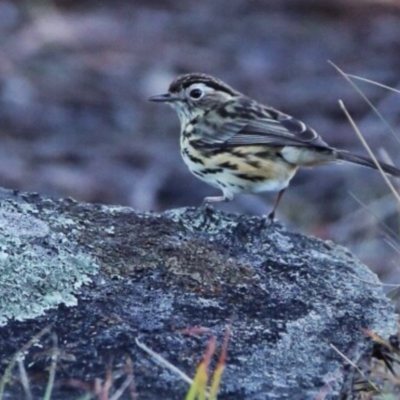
104,276
39,267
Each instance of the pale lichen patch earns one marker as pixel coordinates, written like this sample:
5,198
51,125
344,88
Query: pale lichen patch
39,267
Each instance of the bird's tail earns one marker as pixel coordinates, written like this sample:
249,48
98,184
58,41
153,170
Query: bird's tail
367,162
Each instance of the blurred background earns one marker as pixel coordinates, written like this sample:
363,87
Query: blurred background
75,121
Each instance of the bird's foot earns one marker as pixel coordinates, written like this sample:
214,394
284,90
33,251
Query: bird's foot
268,220
271,217
207,207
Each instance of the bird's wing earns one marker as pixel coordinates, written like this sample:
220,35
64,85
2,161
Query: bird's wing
265,126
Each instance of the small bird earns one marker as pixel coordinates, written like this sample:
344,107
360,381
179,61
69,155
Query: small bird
238,145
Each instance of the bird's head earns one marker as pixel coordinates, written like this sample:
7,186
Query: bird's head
194,94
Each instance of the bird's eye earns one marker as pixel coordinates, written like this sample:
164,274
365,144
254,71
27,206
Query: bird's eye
195,93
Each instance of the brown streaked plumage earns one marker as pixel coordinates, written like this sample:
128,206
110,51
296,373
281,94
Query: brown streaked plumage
238,145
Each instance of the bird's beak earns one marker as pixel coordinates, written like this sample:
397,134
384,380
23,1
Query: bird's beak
163,98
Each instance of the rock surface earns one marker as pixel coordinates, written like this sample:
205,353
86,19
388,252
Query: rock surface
105,276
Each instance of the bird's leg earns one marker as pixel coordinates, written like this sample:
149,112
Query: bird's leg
271,215
216,199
